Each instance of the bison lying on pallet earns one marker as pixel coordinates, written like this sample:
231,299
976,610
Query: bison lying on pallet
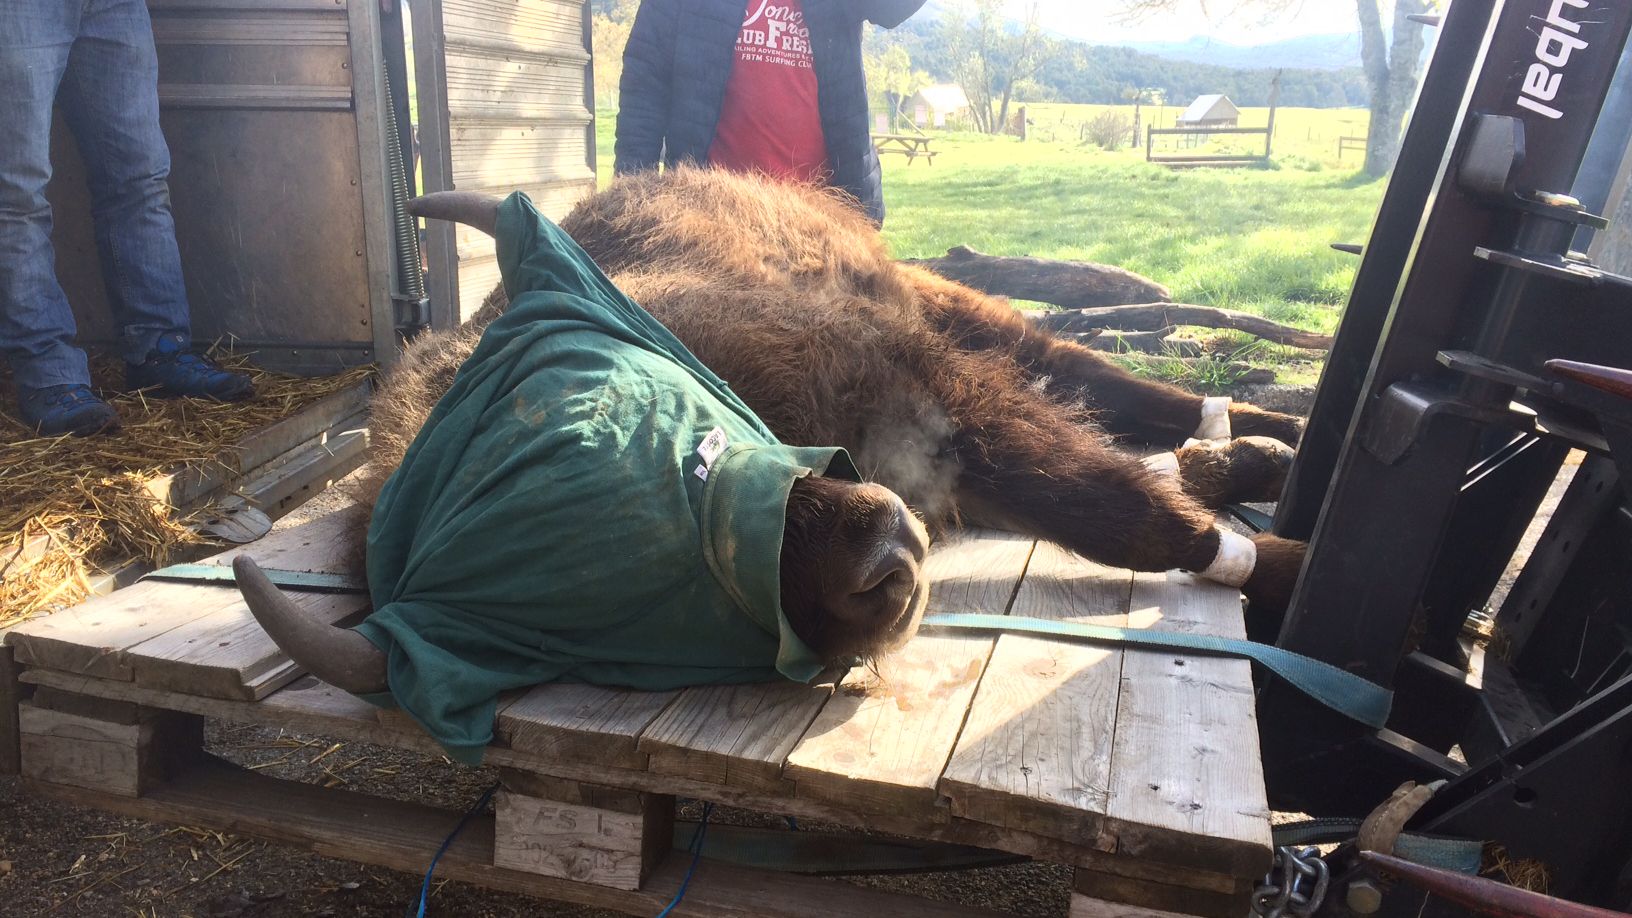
944,396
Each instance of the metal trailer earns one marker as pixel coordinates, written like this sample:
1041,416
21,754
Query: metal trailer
1440,422
293,146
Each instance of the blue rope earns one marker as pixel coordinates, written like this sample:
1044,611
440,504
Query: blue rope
698,836
425,888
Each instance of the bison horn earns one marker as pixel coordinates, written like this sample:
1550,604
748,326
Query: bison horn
339,656
468,207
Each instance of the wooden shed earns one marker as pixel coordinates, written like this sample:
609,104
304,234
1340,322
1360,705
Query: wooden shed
1211,110
934,104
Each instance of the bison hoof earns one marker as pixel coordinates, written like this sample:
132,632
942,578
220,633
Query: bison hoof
1243,469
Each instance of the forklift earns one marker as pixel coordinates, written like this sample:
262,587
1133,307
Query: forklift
1485,348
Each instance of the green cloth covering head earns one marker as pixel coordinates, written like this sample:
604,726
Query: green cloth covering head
587,503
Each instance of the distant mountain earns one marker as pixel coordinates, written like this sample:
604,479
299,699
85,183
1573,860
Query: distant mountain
1336,51
1084,72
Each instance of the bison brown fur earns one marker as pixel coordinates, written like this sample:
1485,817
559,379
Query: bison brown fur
944,395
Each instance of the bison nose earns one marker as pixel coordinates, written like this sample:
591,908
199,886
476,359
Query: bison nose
885,582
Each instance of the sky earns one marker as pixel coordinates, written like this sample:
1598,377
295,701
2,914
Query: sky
1237,22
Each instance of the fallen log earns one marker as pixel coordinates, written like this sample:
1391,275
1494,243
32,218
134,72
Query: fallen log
1155,316
1071,284
1140,342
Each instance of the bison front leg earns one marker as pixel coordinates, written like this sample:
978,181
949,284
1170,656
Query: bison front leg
1141,409
1028,473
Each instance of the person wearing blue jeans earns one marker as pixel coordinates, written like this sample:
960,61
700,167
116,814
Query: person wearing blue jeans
97,59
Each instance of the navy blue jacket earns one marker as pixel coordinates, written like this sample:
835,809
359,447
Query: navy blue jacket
679,59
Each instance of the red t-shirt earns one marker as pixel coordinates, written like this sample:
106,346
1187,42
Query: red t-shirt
769,122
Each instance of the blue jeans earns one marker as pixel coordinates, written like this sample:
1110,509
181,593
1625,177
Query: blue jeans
96,58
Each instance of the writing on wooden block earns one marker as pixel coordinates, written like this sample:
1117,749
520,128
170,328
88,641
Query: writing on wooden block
119,758
585,844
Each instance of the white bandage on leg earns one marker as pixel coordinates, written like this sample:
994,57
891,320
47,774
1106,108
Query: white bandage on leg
1162,463
1236,558
1215,418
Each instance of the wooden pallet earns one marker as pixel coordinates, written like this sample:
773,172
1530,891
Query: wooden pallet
1138,768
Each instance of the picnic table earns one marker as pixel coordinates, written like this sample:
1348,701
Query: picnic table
910,145
1140,769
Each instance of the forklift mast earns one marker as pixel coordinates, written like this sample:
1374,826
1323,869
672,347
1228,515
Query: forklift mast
1481,345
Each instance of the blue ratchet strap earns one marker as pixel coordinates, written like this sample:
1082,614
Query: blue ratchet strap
1343,692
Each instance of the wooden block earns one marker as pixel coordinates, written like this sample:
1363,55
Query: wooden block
880,742
1187,900
1035,753
1187,783
11,695
572,722
1088,907
602,836
125,759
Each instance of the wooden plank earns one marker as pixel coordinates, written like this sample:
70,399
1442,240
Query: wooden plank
881,741
1187,900
191,486
1035,753
311,706
227,654
1187,784
582,722
1170,874
104,709
92,638
403,836
735,735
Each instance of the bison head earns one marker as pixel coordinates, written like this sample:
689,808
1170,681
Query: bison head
853,581
851,565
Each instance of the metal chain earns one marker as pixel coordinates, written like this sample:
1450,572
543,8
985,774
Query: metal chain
1295,885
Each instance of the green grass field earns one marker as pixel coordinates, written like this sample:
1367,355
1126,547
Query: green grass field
1252,239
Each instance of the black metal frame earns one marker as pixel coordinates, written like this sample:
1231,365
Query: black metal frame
1435,434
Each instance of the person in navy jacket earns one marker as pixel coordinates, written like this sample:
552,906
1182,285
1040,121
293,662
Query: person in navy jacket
774,86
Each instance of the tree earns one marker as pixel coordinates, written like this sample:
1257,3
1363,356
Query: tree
889,73
1391,75
992,57
609,29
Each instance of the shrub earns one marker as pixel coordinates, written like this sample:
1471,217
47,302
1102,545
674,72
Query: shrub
1110,129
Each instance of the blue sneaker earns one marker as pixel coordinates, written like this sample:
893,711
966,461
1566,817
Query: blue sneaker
56,410
170,371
